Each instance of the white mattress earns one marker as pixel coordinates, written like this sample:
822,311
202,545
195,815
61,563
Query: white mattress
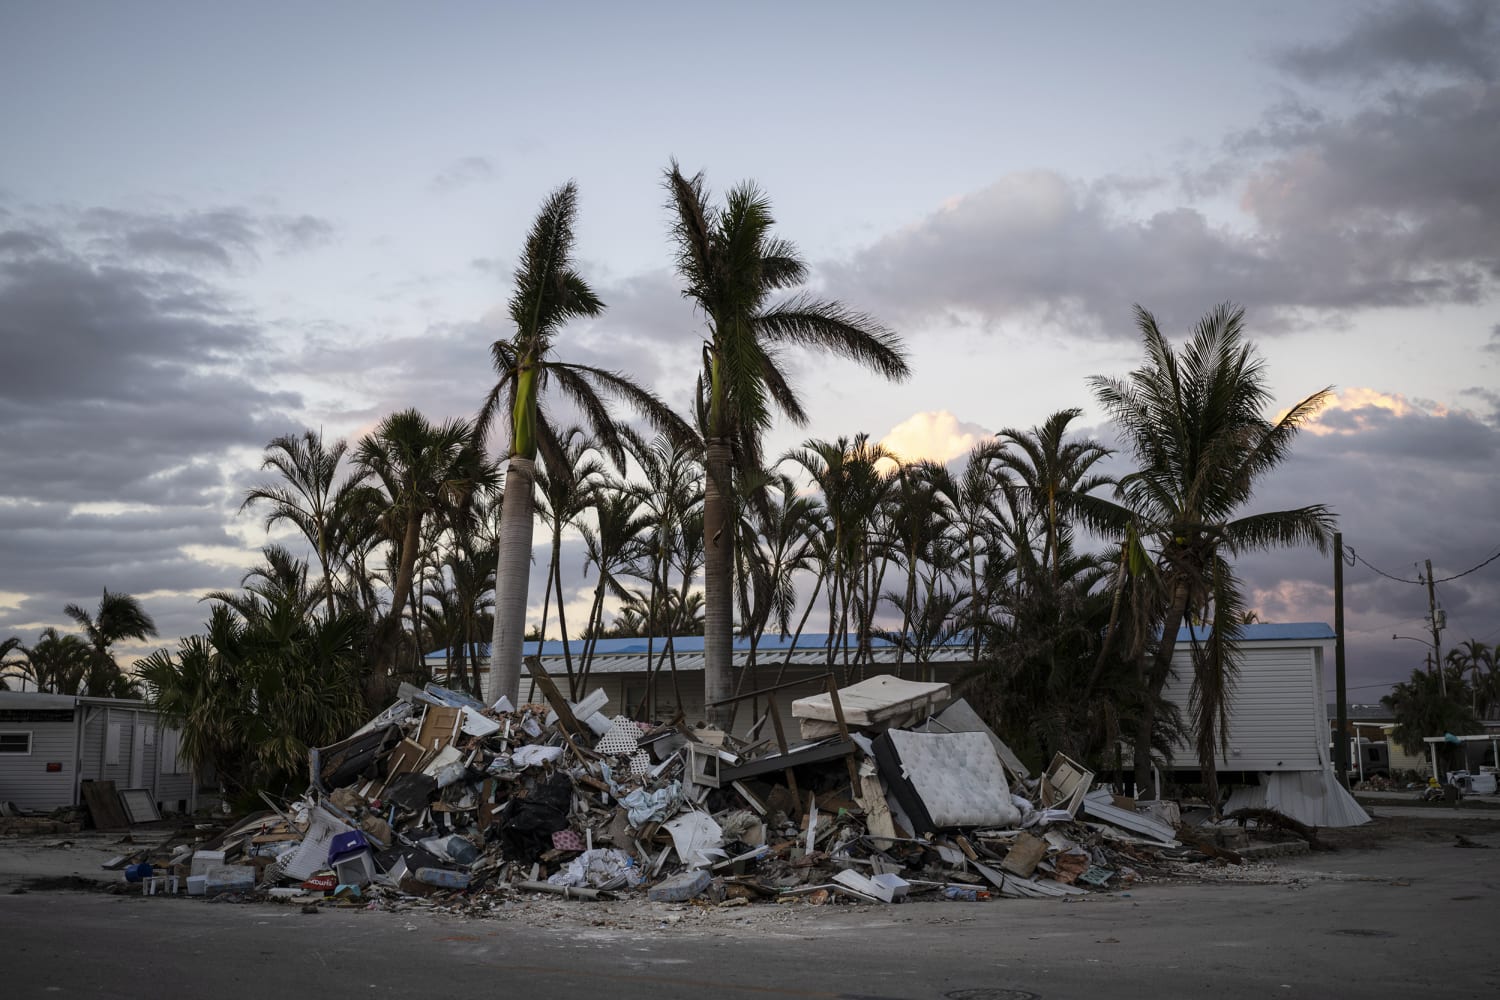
870,702
957,776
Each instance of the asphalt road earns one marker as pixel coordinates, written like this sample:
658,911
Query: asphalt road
1403,921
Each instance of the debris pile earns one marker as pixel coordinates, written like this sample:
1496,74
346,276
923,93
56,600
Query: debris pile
895,792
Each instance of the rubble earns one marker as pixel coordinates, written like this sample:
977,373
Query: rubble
445,802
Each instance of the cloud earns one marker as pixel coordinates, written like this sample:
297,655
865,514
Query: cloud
126,403
936,435
221,239
1388,202
1459,39
1409,481
462,173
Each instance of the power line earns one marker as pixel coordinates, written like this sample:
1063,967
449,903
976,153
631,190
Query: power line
1419,581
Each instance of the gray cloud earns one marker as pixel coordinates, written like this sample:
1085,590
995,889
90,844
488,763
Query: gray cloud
1392,204
1461,39
462,173
123,397
220,238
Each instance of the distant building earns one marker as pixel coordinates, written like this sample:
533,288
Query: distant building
51,743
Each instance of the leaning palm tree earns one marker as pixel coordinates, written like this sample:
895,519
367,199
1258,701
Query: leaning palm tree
731,265
119,616
1194,423
549,292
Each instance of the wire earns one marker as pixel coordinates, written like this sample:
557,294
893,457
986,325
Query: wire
1419,581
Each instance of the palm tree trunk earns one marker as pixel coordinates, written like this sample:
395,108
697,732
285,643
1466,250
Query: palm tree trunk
562,621
1153,682
718,584
512,578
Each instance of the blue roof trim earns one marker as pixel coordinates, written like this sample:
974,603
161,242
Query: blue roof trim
775,643
1269,631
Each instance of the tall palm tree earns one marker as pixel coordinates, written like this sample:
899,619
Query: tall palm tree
312,497
119,616
731,265
549,293
1195,425
972,515
422,469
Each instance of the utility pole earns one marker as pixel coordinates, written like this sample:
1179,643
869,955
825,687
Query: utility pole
1432,621
1341,738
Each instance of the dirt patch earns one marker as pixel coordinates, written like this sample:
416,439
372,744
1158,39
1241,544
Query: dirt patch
64,883
1385,831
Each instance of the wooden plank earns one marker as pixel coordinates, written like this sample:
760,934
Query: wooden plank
566,720
775,714
103,804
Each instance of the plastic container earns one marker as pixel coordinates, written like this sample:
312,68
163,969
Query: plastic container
135,873
197,885
442,878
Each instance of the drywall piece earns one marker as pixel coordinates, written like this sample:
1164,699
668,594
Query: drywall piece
698,839
1064,784
1022,858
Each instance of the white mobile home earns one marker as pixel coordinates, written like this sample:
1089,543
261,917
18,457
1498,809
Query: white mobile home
51,743
1278,727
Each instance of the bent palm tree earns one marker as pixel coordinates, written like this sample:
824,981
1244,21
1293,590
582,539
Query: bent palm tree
120,616
731,264
548,293
1193,422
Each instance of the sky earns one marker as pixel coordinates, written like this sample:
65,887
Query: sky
222,223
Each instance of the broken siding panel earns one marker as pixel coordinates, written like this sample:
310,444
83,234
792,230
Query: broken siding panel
24,778
1276,716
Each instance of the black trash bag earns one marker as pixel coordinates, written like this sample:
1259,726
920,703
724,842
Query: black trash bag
529,823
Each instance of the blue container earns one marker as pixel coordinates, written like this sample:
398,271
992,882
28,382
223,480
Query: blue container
346,843
442,878
135,873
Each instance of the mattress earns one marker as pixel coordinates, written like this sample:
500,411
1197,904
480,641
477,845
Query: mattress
946,780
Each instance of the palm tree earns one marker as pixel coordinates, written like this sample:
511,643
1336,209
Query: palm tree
312,498
568,487
615,543
848,474
1430,705
1194,424
1479,661
1049,469
731,265
119,616
548,293
972,516
422,469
